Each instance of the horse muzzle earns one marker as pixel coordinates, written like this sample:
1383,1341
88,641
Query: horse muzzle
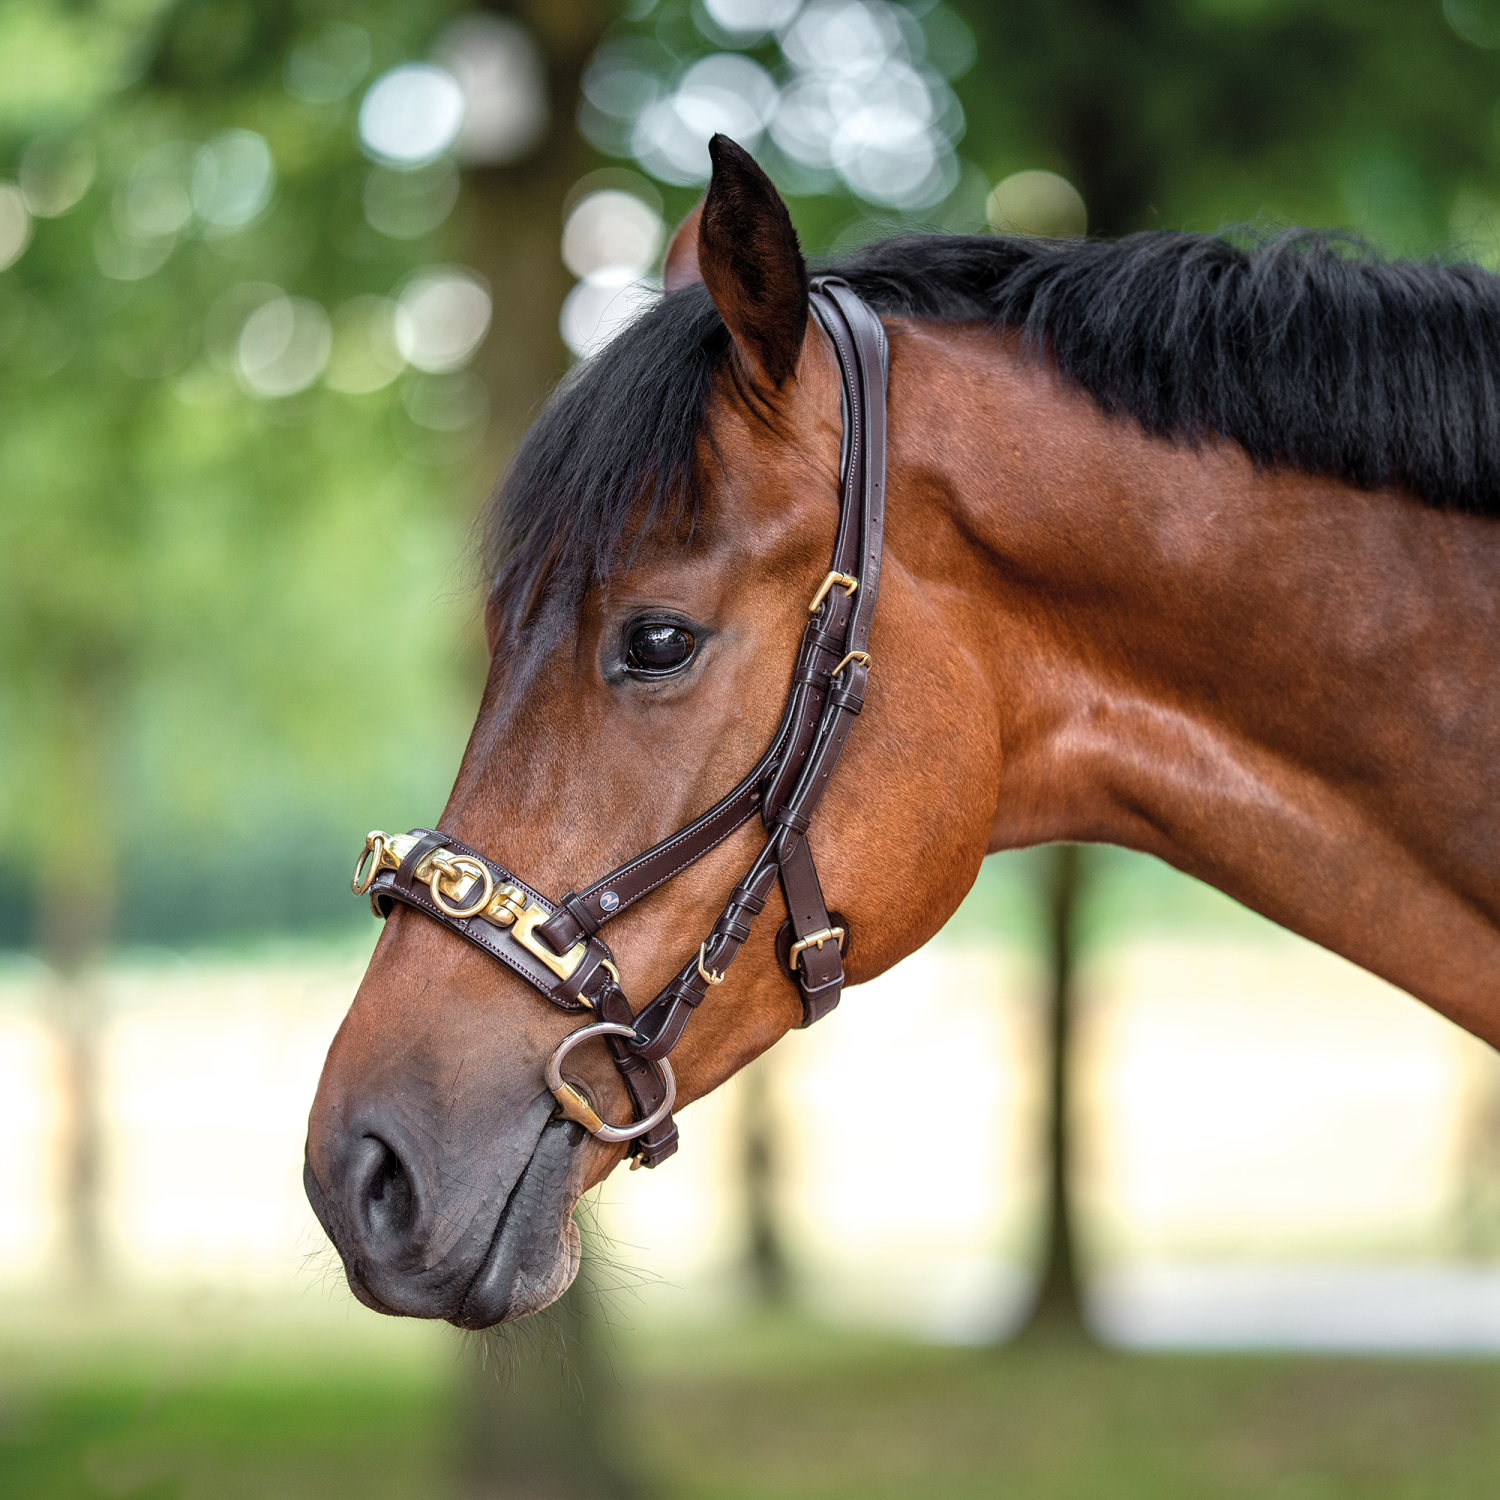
416,1242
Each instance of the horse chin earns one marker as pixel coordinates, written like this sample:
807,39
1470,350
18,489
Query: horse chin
536,1249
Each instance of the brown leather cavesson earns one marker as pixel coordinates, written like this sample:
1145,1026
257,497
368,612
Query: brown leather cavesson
784,787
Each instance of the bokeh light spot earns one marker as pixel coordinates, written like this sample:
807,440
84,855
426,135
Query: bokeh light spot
504,85
411,114
750,19
128,259
611,228
723,92
364,356
15,224
1038,203
408,204
327,67
284,346
233,178
1476,21
447,403
153,203
55,174
442,316
600,306
950,44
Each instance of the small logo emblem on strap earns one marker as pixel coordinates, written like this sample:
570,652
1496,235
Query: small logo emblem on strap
609,901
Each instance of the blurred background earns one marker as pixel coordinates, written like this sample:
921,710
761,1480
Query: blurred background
281,283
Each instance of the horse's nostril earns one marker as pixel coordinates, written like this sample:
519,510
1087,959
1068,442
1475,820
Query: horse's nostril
387,1199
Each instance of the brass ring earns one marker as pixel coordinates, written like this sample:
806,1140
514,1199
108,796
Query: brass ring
576,1107
460,864
374,851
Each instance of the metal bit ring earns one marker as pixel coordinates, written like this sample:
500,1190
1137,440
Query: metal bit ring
576,1107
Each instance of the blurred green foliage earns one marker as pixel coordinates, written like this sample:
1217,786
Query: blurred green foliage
231,628
235,630
796,1411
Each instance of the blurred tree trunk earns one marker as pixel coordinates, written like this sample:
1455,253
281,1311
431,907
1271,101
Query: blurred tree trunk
1059,1308
1477,1199
511,223
539,1426
75,870
766,1261
540,1417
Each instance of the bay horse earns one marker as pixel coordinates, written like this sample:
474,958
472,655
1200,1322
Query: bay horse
1187,547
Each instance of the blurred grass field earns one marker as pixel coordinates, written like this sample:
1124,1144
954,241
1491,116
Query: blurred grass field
781,1409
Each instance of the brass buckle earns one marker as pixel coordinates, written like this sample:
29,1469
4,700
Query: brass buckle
815,940
862,657
847,583
710,976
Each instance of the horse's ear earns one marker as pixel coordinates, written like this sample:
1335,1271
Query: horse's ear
681,268
751,262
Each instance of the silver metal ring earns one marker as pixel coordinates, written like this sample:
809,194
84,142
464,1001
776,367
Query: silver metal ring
576,1107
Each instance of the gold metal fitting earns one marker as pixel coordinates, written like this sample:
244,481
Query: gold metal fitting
524,933
844,581
711,976
862,657
508,904
573,1106
376,843
454,867
815,940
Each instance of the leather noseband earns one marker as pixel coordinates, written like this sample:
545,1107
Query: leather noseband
557,949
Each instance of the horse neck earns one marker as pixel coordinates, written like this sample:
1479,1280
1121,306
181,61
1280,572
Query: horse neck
1279,684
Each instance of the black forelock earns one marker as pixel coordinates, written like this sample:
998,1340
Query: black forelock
1309,351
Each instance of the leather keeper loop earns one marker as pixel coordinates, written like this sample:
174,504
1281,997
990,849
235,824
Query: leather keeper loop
743,896
571,921
824,640
589,967
406,874
847,698
656,1146
811,676
731,927
789,818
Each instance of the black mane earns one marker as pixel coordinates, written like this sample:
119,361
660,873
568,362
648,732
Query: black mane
1308,351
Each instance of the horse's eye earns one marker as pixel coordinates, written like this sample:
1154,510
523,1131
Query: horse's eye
659,648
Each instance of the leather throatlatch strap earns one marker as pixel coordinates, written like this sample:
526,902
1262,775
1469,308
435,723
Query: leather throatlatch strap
784,787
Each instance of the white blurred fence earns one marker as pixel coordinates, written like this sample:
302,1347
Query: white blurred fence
1274,1148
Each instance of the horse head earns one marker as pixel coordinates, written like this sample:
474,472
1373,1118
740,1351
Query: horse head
653,552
